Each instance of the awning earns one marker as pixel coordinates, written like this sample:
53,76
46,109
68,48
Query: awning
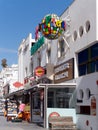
39,86
16,93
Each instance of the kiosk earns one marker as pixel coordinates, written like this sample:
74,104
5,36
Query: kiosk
48,99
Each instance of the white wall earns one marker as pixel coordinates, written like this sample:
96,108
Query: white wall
24,58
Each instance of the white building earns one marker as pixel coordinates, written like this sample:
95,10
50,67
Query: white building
78,49
9,76
83,47
24,58
74,57
80,44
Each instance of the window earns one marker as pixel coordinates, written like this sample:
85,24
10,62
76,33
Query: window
88,93
36,101
87,26
81,94
81,31
88,60
50,98
39,58
61,98
85,110
61,47
74,35
32,43
48,55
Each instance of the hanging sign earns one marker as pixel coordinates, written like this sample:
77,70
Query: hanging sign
52,26
39,71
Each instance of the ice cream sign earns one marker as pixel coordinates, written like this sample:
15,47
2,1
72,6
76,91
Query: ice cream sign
52,26
39,71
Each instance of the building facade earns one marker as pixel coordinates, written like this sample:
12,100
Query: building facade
24,58
70,59
77,49
84,49
9,75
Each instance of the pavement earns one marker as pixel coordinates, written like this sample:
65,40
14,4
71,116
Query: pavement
8,125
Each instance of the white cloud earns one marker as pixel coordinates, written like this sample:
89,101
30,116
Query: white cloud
7,50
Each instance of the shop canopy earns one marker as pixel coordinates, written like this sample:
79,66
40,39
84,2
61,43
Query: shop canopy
39,86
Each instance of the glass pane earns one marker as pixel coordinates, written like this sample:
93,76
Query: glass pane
82,70
91,67
94,51
36,101
61,98
83,56
97,65
50,99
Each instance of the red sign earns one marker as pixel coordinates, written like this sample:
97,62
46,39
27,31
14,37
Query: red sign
39,71
54,114
17,84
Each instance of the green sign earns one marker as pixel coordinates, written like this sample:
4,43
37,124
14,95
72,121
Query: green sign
37,45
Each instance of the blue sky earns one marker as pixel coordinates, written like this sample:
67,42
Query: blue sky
18,18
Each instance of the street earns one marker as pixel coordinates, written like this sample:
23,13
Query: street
4,125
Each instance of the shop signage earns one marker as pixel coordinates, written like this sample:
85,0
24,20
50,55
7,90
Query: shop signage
54,114
39,71
64,71
37,45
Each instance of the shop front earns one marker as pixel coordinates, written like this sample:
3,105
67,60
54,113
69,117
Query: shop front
48,99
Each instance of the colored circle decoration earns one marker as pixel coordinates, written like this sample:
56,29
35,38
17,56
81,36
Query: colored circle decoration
52,26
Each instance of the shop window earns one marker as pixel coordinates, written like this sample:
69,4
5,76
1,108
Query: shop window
36,101
61,98
87,26
50,99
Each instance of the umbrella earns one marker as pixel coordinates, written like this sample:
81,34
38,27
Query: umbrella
17,84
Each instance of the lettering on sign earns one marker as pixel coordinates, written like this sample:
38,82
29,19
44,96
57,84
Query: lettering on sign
62,75
64,71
